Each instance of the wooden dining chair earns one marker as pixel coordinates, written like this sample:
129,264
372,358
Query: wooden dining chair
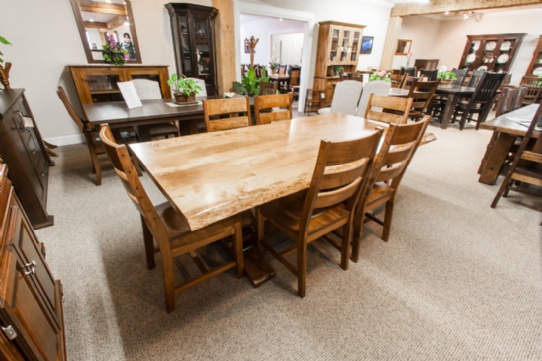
150,89
345,98
397,150
268,88
378,87
421,92
460,74
409,82
164,225
272,108
339,176
475,78
397,80
224,114
524,174
314,98
392,110
430,75
91,134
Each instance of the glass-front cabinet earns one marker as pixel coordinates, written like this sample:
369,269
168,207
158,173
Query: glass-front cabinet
193,31
535,67
491,52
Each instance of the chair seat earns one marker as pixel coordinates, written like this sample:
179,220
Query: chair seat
162,129
379,195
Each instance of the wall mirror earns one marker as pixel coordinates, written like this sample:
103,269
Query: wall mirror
103,21
403,47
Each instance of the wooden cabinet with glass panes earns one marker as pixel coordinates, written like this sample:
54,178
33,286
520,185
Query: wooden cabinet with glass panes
193,31
338,48
492,52
535,68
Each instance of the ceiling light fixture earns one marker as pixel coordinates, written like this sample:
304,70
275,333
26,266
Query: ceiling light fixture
472,15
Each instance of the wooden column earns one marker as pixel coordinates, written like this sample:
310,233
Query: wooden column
225,44
394,27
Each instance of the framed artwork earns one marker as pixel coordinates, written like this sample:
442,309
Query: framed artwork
366,44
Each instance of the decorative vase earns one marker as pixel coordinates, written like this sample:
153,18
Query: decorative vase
4,75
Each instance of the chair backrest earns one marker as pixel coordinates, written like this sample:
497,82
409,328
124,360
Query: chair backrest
223,114
422,92
486,89
408,82
409,71
357,77
507,100
119,156
201,83
73,114
397,80
475,78
393,110
431,75
398,148
340,175
265,108
461,74
521,95
147,89
282,69
346,96
268,88
379,87
294,76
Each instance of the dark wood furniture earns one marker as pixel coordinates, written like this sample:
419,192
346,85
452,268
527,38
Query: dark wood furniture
422,93
339,177
23,150
282,80
506,128
525,169
31,314
268,88
534,91
272,108
225,114
495,52
535,67
193,31
168,228
98,83
338,45
427,64
314,100
453,94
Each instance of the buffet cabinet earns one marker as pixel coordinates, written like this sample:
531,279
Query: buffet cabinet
98,83
492,52
23,150
535,67
193,32
31,317
338,47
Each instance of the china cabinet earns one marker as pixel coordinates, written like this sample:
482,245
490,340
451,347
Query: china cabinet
193,31
535,68
338,47
98,83
23,150
31,317
492,52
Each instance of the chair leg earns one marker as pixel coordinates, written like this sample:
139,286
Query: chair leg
357,234
387,219
97,168
301,267
260,223
502,189
238,248
463,120
148,241
345,246
169,285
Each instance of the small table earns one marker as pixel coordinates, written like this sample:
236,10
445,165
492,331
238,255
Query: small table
506,128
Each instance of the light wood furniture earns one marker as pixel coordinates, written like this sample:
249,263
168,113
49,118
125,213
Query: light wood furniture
391,110
193,32
427,64
408,82
535,67
98,83
256,164
525,169
495,52
224,114
339,177
90,132
314,100
338,45
397,80
168,228
506,128
24,151
272,108
31,299
391,162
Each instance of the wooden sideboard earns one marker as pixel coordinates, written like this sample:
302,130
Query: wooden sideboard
23,150
31,316
491,52
98,83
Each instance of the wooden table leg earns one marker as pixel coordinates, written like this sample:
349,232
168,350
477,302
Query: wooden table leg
448,111
495,157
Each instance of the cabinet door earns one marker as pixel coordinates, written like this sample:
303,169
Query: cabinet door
100,85
355,45
335,33
204,51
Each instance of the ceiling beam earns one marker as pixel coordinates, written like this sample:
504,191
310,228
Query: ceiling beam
440,6
102,8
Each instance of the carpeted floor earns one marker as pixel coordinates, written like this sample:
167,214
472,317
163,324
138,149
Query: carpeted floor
457,280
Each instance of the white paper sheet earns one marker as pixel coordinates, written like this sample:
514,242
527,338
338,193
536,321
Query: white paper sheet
129,94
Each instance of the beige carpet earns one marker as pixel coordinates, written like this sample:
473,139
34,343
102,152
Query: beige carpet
457,280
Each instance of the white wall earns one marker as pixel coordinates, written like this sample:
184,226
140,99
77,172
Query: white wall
451,36
288,48
426,33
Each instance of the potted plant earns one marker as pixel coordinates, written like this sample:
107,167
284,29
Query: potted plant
113,53
274,65
381,75
184,89
338,69
250,84
446,77
4,69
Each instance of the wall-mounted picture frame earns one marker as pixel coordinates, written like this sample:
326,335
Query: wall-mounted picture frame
366,44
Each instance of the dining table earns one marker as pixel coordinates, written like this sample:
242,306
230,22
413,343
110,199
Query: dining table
283,81
506,129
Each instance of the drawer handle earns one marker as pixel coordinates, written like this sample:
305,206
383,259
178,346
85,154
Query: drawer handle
32,266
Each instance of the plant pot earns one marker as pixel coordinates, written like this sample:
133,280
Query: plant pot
183,98
445,82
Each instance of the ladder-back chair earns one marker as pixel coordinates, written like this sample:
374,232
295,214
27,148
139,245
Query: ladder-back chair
272,108
392,110
224,114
